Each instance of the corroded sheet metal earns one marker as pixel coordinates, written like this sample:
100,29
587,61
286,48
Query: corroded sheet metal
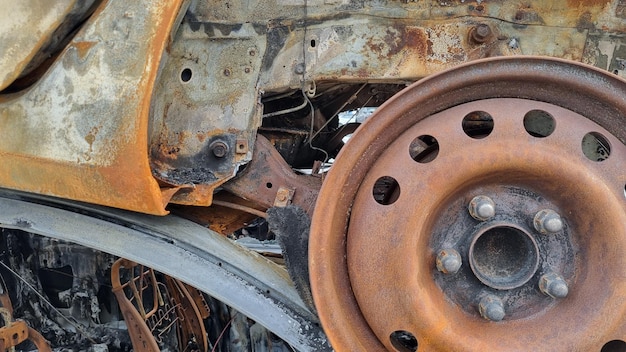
25,27
205,110
132,97
347,40
80,132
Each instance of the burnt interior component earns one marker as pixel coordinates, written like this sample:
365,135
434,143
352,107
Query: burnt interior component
291,225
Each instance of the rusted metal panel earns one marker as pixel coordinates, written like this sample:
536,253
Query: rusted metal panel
80,132
404,40
205,109
26,27
133,94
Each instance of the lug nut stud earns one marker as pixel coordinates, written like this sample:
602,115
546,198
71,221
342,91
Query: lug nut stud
491,308
448,261
548,221
482,208
553,285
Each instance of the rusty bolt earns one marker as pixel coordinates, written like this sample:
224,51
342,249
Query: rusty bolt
548,221
553,285
482,208
448,261
219,149
480,33
299,69
491,308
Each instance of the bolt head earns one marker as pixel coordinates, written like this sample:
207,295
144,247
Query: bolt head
548,221
299,69
483,30
219,149
482,208
553,285
491,308
448,261
480,33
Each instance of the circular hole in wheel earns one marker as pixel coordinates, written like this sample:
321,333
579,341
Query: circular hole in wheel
269,185
403,341
185,75
614,346
596,147
424,149
386,190
539,123
477,124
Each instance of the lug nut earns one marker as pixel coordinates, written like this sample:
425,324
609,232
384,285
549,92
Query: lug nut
553,285
491,308
448,261
482,208
219,149
548,221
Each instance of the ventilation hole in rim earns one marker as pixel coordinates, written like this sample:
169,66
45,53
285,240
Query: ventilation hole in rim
614,346
539,123
403,341
596,147
424,149
269,185
386,190
185,75
477,124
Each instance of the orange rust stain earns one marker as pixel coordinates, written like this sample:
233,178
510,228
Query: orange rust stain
586,3
416,39
398,39
83,48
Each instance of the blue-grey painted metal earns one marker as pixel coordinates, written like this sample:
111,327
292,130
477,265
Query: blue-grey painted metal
248,282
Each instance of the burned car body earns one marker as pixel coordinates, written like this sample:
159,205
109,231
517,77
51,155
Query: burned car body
467,202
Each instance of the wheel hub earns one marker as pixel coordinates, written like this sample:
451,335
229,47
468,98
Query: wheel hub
478,205
503,256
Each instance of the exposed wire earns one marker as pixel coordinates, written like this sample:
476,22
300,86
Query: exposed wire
74,324
236,206
351,99
219,338
74,277
304,74
279,96
287,111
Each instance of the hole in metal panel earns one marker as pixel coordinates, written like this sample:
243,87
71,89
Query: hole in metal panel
596,147
614,346
539,123
424,149
403,341
386,190
477,124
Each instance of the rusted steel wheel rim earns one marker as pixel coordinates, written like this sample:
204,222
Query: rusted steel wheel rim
480,209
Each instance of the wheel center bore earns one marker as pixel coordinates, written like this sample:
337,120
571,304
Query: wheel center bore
503,256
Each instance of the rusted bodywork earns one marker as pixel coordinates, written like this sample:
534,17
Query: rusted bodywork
232,113
80,132
129,111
